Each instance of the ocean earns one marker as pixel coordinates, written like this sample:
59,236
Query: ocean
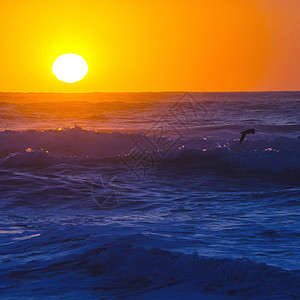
150,196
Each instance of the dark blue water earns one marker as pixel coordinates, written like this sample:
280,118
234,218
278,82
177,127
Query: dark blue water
151,200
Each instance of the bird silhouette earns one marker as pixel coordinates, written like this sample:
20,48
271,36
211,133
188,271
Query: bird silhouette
244,133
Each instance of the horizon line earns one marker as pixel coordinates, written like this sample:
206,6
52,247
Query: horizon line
120,92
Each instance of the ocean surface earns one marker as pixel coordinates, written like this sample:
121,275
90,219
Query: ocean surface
150,196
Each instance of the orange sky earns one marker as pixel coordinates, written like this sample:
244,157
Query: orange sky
170,45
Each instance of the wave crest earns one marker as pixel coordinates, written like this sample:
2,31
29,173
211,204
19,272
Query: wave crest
278,156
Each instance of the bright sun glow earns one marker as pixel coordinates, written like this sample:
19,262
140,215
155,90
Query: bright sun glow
70,68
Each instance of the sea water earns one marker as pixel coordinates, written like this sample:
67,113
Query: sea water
150,196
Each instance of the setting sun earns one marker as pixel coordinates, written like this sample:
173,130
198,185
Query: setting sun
70,68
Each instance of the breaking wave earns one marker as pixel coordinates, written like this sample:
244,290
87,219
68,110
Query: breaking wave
278,156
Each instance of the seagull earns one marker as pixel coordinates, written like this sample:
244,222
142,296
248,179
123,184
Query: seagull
244,133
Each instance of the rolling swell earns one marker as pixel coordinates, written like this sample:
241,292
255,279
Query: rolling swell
279,156
123,267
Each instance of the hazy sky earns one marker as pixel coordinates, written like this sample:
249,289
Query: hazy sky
169,45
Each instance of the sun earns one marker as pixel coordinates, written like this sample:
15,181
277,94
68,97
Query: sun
70,68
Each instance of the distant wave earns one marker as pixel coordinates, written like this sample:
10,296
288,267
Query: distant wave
280,155
66,142
246,163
